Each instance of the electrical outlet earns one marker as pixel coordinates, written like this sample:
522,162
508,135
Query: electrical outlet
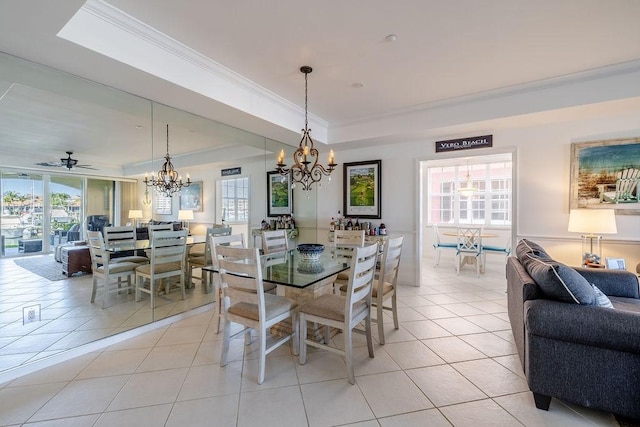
31,314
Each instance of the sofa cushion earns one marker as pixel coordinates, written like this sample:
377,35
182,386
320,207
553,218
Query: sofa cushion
559,281
601,299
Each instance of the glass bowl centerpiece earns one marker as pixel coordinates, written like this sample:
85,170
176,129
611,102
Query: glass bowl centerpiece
310,251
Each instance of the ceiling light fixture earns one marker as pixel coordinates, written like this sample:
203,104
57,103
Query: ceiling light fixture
468,189
168,180
306,170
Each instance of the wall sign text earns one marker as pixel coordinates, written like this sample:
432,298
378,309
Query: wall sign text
464,143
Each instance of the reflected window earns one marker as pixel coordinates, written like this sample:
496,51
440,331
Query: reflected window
235,200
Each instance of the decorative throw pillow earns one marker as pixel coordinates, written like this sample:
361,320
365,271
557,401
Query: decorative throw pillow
528,251
559,281
601,299
527,247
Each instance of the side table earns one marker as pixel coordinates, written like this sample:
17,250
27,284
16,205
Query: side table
75,259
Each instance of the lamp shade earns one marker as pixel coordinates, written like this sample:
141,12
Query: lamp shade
185,215
593,221
135,214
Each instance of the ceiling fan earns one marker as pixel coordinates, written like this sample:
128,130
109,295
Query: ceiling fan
67,162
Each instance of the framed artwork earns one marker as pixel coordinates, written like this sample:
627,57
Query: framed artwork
362,189
606,174
163,204
616,264
191,197
279,194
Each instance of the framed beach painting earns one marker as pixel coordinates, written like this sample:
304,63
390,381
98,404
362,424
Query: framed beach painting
606,174
279,194
362,194
191,197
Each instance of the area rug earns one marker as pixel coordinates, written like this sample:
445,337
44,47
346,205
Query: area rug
45,266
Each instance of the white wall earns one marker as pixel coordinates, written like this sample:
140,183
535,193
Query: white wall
542,164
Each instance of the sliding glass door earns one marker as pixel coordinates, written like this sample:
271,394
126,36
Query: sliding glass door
65,212
21,223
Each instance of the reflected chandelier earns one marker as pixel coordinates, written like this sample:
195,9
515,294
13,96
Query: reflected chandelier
306,170
168,180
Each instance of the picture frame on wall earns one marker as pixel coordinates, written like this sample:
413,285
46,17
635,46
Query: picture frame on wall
191,197
279,194
163,204
615,264
606,175
362,193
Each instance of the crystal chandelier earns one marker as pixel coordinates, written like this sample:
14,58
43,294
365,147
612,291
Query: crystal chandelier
168,180
306,170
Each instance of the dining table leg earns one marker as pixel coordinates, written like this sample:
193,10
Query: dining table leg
302,296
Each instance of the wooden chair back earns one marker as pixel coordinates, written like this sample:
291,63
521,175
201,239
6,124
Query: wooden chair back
274,241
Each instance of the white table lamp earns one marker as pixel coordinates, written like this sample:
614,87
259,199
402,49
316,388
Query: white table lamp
591,223
135,215
185,216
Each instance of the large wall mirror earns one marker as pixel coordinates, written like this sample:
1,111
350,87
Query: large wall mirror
43,114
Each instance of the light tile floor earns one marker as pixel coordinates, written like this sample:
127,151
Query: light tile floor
452,362
68,317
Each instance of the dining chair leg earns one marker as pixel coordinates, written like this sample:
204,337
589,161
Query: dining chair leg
394,310
152,291
367,325
302,355
380,322
263,356
94,290
105,292
225,342
139,282
348,336
295,337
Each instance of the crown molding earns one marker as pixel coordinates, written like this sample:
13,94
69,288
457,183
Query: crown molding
506,92
131,27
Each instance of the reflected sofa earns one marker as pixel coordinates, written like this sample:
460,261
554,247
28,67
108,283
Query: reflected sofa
571,345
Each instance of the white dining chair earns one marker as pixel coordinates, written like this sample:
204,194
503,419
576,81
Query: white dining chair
274,241
386,282
231,240
167,256
497,249
246,303
440,245
123,234
343,312
344,241
197,258
109,273
469,247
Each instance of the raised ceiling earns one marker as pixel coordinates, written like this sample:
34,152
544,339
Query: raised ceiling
445,53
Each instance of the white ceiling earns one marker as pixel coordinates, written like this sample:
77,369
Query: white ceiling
445,51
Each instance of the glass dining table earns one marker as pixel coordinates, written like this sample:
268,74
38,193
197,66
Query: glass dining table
299,279
136,245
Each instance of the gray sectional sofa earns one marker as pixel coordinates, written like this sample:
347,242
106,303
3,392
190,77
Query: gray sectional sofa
573,344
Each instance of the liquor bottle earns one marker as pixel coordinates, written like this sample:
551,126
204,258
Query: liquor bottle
356,226
332,225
